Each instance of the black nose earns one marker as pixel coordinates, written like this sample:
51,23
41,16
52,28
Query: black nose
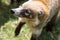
12,12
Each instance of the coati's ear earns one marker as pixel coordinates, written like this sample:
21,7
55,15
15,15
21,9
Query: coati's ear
41,13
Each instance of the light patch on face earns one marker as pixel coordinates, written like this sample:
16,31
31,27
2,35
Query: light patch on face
30,16
26,14
37,21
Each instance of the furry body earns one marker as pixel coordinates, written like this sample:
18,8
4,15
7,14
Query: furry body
40,13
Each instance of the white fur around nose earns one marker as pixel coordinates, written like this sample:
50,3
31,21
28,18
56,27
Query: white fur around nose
17,10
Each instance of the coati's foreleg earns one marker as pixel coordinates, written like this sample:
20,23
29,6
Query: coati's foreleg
36,34
33,37
18,28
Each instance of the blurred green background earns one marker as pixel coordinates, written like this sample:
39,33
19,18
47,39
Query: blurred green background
8,24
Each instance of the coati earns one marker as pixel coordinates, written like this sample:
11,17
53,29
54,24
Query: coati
37,14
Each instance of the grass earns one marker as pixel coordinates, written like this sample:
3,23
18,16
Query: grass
7,32
8,25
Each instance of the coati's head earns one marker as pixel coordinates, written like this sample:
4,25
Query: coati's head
29,9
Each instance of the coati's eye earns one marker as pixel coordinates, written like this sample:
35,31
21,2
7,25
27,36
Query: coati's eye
27,12
40,13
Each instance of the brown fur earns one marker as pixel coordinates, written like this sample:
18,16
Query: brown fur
50,10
